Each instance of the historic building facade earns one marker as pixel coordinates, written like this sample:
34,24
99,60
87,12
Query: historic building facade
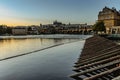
110,17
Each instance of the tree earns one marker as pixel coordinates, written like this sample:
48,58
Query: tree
9,30
99,27
3,29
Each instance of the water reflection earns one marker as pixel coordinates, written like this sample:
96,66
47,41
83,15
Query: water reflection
50,64
12,47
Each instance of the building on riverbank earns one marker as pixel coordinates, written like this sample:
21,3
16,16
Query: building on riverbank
32,30
115,30
55,28
60,28
110,17
19,30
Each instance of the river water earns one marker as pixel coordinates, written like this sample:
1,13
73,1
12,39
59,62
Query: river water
11,47
53,63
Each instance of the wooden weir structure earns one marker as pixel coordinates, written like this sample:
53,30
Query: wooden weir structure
99,60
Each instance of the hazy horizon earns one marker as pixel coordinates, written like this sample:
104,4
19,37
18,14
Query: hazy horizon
34,12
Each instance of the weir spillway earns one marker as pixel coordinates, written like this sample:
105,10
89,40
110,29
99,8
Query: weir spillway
99,60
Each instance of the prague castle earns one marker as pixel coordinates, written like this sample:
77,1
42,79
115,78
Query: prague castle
110,17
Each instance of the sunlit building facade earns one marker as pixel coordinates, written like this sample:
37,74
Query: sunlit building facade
110,17
19,31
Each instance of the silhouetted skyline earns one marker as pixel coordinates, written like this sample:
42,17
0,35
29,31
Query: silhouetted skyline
28,12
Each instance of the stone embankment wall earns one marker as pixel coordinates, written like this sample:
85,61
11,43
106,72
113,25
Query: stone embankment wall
99,60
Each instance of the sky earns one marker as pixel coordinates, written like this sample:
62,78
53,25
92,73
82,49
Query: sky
35,12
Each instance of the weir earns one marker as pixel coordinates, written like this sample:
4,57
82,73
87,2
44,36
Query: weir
99,60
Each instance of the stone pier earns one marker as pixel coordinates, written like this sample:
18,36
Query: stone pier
99,60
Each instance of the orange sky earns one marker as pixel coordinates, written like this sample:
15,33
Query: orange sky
17,23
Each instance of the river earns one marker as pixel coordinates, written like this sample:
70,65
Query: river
53,63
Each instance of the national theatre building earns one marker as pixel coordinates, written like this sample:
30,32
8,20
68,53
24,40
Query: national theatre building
110,17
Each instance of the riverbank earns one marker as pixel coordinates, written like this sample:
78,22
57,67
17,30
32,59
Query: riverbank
57,36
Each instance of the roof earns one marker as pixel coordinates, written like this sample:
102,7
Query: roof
113,9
